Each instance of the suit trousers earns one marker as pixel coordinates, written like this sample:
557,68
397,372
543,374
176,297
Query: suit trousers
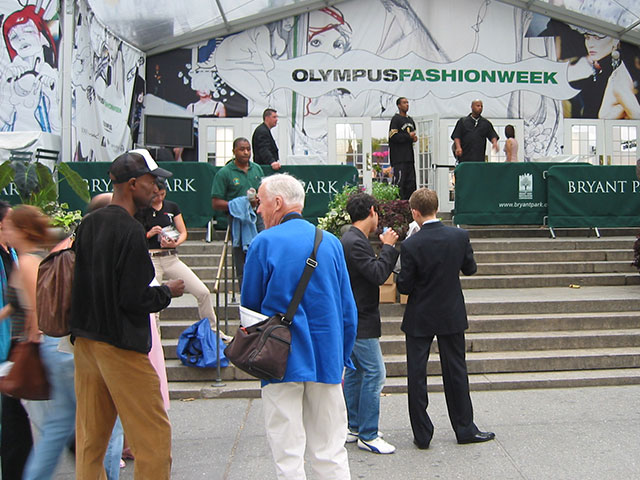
111,381
456,386
311,415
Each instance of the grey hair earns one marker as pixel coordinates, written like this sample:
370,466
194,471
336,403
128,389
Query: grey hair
286,186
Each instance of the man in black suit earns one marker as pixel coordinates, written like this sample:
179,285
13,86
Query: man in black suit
362,386
432,260
265,150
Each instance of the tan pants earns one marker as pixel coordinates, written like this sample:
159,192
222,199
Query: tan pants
170,267
111,381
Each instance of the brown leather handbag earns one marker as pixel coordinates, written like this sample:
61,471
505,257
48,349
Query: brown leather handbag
262,350
27,378
53,292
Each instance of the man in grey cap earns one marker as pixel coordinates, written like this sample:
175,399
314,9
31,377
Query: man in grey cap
110,310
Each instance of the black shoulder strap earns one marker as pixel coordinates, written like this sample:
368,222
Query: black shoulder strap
304,280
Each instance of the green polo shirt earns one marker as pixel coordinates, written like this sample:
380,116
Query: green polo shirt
231,182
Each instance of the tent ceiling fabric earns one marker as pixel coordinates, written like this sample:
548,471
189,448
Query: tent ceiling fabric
154,26
615,18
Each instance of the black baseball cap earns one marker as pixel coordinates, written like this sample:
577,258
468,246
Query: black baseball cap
134,164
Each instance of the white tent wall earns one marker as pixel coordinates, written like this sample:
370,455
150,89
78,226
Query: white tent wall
356,58
315,65
104,69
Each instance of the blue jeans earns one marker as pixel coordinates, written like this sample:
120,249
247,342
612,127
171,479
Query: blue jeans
362,387
59,417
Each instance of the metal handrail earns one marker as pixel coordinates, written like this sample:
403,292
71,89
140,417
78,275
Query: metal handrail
223,269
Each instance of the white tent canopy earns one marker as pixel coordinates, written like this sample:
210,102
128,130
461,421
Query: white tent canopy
155,26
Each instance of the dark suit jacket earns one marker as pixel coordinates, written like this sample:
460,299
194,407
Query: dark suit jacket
265,150
367,273
432,260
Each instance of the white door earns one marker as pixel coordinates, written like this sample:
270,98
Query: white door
349,143
621,141
445,165
426,150
215,139
216,135
602,142
584,138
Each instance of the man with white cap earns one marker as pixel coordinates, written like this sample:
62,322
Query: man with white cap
110,310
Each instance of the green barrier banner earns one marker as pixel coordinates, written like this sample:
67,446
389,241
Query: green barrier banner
594,196
501,193
190,187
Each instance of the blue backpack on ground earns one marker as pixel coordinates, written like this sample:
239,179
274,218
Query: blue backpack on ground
197,346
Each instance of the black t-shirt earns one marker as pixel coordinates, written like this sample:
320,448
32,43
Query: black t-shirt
400,141
150,217
473,134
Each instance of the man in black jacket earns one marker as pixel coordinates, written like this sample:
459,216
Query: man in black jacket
432,259
265,150
110,310
367,272
402,135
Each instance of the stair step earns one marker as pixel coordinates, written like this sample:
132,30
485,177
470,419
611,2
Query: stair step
505,341
477,382
550,280
533,244
555,268
499,256
477,362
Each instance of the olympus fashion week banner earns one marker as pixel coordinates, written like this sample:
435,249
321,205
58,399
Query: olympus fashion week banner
356,58
104,73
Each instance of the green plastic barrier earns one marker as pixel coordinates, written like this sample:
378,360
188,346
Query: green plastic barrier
501,193
593,196
190,187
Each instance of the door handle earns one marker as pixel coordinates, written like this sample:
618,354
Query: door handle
369,164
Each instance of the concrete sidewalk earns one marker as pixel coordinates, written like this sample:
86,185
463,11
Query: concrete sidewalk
581,433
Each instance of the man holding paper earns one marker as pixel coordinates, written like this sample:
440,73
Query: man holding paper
306,409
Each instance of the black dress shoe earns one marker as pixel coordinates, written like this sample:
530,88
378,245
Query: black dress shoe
421,446
478,438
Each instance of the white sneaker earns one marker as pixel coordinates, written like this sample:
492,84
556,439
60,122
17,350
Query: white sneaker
352,437
377,445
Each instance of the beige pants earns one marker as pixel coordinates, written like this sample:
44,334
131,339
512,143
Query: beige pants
111,381
170,267
311,416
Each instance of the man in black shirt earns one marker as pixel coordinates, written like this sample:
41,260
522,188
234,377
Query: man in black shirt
110,310
471,133
265,150
402,135
367,272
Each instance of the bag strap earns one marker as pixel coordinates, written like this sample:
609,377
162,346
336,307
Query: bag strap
310,266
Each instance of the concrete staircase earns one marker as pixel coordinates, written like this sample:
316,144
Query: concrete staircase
542,313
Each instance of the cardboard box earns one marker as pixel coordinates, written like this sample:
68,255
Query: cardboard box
403,299
388,293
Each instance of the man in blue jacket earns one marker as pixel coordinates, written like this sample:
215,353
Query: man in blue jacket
305,410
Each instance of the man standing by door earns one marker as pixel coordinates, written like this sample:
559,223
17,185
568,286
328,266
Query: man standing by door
471,133
265,150
402,135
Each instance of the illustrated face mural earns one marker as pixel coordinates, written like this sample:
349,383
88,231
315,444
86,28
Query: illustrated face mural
328,32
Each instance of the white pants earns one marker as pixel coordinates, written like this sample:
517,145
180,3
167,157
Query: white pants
170,267
308,415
